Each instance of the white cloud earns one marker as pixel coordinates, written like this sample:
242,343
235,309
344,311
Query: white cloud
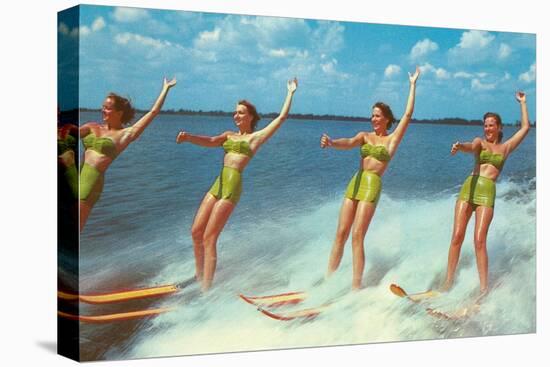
63,29
288,45
422,48
478,85
132,38
329,68
264,33
530,75
474,47
208,37
439,73
205,55
328,37
98,24
463,75
392,70
504,51
84,31
245,36
278,53
426,68
475,40
303,70
66,31
129,15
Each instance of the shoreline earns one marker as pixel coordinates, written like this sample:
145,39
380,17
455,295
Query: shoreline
72,115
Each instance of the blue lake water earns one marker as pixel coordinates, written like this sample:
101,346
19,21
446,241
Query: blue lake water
280,234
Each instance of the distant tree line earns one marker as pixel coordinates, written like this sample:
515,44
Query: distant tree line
309,116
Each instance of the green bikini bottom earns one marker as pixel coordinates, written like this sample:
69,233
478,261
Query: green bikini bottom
364,186
478,190
91,184
228,185
71,177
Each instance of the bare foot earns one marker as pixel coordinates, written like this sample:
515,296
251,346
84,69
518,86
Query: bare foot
446,287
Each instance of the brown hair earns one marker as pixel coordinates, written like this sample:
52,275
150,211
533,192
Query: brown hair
496,116
386,111
124,105
251,110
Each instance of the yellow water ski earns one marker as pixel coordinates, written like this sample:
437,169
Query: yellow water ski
459,314
120,295
116,316
415,297
126,295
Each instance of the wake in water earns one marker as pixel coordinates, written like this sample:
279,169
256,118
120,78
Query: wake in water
290,253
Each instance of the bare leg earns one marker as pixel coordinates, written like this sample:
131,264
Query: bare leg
484,216
197,232
86,205
219,216
347,212
85,210
363,215
463,212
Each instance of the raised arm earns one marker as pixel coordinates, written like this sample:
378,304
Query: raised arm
268,131
343,143
406,118
518,137
470,147
204,141
143,122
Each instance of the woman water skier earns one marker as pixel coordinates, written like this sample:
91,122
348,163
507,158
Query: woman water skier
363,191
104,142
67,147
219,202
478,191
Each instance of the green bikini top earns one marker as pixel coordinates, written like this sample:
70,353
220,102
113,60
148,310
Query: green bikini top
495,159
65,144
239,147
378,152
102,145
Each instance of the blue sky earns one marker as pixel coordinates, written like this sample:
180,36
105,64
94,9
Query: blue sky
342,67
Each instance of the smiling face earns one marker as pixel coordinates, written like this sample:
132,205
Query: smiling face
379,121
109,114
492,129
242,117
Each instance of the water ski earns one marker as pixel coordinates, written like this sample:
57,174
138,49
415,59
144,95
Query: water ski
415,297
459,314
275,300
125,295
303,315
115,316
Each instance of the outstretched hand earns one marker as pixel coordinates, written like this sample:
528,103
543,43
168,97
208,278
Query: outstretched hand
520,96
414,77
169,83
326,141
181,137
454,148
292,85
